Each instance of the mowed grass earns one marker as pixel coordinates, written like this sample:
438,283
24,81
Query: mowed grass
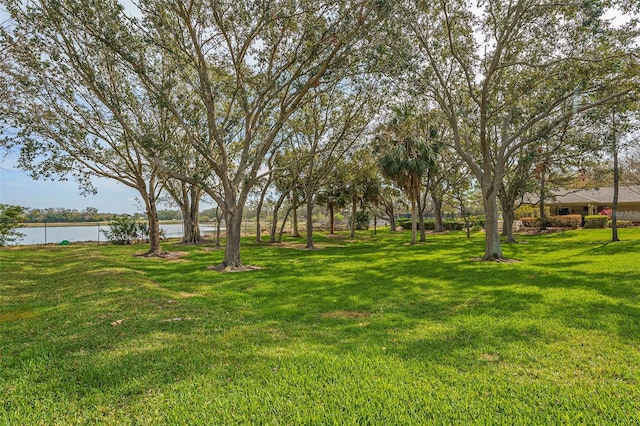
364,331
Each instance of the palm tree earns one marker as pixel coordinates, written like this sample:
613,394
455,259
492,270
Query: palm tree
405,154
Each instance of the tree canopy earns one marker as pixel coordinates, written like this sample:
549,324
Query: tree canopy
197,98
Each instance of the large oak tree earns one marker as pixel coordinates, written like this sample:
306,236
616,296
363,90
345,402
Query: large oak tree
508,72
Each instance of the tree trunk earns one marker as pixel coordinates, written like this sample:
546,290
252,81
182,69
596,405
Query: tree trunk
274,226
274,219
437,212
310,203
191,227
284,222
263,194
154,227
493,250
414,219
616,184
388,209
331,219
148,193
233,223
507,224
375,223
218,226
258,213
542,204
190,219
354,207
508,215
423,231
294,214
187,197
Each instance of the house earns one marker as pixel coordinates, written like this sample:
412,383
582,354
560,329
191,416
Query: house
592,201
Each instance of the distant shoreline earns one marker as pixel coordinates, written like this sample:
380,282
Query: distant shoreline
66,224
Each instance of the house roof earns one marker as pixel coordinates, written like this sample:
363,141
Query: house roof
604,195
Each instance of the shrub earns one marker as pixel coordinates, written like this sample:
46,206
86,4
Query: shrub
476,221
362,220
454,225
530,222
430,224
623,224
405,223
565,221
526,211
606,212
126,230
596,221
10,218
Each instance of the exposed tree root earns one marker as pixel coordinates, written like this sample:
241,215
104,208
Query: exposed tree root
241,268
496,260
196,243
162,255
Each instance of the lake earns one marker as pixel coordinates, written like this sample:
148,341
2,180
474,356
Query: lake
55,234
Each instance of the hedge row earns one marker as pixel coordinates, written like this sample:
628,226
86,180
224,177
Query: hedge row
564,221
449,225
623,224
596,221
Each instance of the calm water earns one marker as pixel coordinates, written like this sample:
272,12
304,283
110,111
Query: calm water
53,235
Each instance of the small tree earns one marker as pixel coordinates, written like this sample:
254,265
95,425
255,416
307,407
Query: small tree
126,229
10,218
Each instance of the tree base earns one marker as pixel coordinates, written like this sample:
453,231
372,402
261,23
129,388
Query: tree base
496,260
161,255
241,268
195,243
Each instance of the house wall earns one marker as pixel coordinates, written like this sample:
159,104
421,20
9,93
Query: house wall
626,211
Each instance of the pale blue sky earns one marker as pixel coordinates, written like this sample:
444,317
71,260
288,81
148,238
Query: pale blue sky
16,187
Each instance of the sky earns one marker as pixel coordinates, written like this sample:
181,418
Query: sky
17,188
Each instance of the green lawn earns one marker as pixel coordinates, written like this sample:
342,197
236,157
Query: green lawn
371,331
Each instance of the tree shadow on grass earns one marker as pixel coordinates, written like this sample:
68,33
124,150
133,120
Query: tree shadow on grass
414,305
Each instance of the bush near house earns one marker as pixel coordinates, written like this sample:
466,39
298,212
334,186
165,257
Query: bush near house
530,222
430,224
565,221
596,221
623,224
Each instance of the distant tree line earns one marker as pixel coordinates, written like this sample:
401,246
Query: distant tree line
58,215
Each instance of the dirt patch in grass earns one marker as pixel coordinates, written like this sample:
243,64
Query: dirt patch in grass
489,358
345,314
16,315
168,255
299,246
